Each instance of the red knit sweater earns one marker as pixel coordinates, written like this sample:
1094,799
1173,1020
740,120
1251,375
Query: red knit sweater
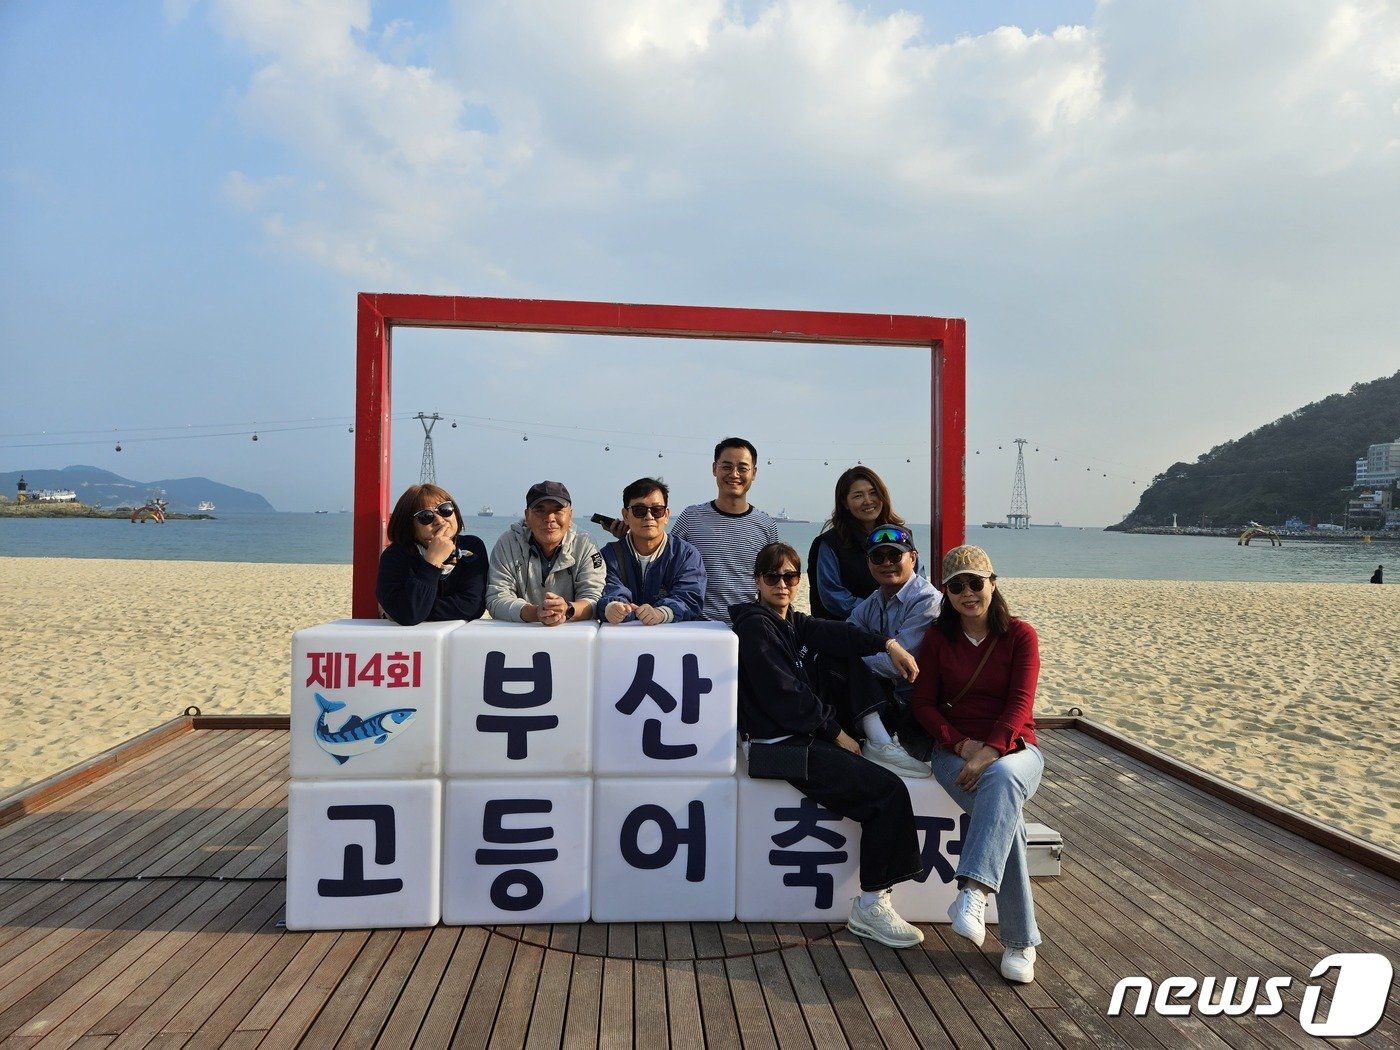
998,707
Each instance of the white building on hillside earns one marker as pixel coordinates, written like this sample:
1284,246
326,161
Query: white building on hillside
1380,465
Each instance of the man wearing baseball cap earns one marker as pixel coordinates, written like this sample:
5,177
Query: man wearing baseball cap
543,570
902,607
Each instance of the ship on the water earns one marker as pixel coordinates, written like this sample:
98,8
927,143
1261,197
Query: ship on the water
206,505
782,519
486,511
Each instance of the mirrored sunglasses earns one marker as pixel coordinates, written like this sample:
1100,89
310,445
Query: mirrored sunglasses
428,515
964,581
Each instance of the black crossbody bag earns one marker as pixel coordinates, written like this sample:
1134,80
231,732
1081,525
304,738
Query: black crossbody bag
784,760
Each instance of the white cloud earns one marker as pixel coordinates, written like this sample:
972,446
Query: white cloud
1133,204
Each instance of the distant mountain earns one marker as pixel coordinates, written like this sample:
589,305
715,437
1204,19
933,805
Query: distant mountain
96,486
1300,464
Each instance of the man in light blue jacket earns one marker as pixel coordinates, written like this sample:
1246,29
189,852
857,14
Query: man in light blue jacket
651,577
543,570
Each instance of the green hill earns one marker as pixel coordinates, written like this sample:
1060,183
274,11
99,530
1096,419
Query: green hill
1301,464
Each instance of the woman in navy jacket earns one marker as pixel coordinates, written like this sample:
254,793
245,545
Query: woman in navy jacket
431,570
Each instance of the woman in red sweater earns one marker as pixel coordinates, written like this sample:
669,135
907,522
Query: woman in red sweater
975,695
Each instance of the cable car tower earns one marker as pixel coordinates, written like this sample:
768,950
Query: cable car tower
1020,515
427,473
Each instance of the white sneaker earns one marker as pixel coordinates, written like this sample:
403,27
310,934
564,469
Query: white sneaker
893,757
1018,964
966,911
881,923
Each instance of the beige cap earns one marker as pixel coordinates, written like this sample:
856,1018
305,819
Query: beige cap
969,560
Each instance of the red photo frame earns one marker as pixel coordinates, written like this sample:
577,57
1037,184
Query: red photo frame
379,314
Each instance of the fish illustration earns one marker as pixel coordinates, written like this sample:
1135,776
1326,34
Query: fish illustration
357,735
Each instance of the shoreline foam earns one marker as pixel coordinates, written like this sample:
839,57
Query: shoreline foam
1282,688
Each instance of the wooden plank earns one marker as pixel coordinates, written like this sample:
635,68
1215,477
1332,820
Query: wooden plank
879,1006
744,988
1277,857
411,1010
1340,842
454,988
338,1006
649,1018
479,1016
49,790
1221,940
82,817
856,1025
292,1022
161,995
719,1024
74,1000
278,975
600,995
375,1005
552,994
513,1017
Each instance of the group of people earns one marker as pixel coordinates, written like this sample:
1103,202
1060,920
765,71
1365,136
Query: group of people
886,678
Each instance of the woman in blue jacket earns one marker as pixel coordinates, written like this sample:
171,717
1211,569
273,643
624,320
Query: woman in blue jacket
431,570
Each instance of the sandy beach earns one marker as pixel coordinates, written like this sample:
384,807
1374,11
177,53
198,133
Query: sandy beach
1286,689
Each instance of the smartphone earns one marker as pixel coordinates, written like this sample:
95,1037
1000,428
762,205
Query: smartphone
605,521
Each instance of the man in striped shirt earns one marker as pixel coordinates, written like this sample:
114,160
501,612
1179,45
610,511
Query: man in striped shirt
728,531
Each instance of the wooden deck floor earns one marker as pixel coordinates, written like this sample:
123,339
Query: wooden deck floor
141,910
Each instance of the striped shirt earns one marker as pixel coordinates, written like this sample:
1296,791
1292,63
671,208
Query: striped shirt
728,545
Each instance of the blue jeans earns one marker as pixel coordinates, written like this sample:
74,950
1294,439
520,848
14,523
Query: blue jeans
994,848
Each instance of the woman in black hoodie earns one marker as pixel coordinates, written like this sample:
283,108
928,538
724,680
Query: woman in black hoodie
777,701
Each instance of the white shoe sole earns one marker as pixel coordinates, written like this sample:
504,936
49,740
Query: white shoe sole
922,772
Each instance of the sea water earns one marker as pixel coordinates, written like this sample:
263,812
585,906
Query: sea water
1086,553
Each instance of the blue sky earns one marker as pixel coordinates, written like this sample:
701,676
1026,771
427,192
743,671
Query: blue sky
1165,224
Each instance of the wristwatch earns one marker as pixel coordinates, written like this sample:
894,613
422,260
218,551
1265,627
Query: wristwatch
568,610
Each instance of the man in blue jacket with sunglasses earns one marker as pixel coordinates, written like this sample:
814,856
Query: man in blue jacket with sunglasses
651,577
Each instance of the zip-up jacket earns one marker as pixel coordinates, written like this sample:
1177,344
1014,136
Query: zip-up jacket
776,695
518,576
674,581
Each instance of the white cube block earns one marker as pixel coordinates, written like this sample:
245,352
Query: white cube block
367,699
517,850
941,825
666,700
798,861
663,849
520,700
363,854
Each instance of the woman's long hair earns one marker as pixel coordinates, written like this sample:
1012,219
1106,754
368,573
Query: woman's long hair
998,615
849,531
414,499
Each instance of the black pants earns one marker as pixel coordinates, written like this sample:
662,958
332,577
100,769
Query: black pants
855,691
877,800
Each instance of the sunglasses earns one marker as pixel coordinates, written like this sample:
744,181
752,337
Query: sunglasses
430,514
772,578
641,510
884,555
961,581
889,534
